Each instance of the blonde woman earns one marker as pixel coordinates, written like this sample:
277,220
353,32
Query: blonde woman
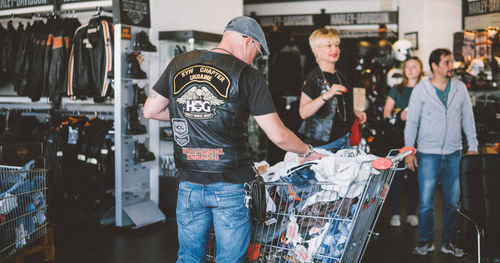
326,101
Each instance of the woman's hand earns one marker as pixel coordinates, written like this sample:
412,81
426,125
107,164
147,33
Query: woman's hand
361,115
335,89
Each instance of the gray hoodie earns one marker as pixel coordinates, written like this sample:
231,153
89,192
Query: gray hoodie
437,129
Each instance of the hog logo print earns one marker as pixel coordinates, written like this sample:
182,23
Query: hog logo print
200,90
199,103
180,129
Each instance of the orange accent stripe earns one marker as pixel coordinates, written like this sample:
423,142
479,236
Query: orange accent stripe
58,42
50,39
293,195
72,119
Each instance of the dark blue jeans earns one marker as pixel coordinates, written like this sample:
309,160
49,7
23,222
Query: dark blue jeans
396,188
431,169
221,205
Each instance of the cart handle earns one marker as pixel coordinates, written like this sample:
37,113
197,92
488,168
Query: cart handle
386,163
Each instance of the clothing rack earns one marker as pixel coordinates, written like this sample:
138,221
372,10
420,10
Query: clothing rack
105,115
26,12
63,9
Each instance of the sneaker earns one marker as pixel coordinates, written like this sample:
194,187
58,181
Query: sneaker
452,249
395,220
423,248
412,220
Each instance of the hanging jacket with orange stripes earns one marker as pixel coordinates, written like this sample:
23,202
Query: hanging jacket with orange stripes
90,66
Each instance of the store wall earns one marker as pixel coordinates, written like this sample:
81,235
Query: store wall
208,16
314,7
434,20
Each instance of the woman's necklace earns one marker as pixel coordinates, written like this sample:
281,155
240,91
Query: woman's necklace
225,50
343,100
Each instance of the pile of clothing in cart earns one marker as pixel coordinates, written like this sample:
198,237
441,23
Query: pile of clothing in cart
22,208
311,206
55,56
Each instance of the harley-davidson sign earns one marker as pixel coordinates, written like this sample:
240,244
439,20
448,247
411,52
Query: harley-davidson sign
132,12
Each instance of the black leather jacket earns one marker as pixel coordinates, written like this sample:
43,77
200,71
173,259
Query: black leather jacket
91,60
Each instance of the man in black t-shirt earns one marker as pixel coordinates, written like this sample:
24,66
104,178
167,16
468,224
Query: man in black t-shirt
208,96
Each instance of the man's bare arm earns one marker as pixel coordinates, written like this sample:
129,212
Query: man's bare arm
156,107
279,134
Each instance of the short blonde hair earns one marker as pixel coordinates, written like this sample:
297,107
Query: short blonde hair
322,36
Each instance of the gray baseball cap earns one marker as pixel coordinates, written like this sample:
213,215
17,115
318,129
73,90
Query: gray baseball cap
249,27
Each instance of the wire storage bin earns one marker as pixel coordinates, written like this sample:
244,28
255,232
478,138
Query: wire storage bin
23,208
321,221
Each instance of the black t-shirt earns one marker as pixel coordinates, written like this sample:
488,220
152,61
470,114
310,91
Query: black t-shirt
344,117
253,95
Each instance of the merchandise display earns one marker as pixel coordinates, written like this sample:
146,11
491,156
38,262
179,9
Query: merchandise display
479,54
142,43
134,70
74,80
141,153
35,57
134,125
139,95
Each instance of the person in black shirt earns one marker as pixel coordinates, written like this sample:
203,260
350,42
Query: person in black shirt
208,96
326,101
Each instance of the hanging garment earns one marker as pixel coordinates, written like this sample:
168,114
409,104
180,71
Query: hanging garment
91,60
9,51
482,44
3,36
37,77
468,48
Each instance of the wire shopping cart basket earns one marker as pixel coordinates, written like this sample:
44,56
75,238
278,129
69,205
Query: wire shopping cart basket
322,221
22,208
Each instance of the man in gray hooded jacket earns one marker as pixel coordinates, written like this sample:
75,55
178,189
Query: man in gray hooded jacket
439,109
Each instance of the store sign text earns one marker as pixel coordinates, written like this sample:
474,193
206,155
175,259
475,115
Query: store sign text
483,7
11,4
361,18
305,20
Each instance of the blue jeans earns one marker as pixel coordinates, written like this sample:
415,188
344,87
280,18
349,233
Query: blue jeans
340,143
199,206
431,169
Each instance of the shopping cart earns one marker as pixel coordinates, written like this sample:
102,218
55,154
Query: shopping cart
22,208
322,222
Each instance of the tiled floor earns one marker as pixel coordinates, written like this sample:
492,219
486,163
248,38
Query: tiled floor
79,238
